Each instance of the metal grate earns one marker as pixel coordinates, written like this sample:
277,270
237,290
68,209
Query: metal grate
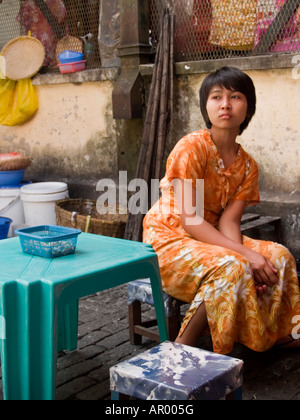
205,29
212,29
73,24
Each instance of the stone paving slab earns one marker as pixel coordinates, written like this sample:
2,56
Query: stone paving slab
103,341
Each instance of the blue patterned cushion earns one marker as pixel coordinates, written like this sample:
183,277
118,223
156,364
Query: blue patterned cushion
177,372
141,290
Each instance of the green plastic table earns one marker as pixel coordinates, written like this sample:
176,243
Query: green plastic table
38,297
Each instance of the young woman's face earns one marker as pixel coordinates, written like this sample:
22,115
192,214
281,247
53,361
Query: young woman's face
226,109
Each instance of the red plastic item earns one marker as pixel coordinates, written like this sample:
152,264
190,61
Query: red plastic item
8,156
72,67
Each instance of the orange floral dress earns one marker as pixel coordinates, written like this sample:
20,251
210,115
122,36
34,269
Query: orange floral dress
197,272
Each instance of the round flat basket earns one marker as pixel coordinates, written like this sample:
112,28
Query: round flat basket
24,56
68,43
82,214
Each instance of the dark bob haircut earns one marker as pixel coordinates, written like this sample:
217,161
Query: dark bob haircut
231,78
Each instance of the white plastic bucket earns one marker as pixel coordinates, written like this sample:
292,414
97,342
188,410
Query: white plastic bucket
39,202
11,206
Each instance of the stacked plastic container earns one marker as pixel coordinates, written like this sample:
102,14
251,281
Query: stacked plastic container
11,208
71,62
39,202
25,204
28,210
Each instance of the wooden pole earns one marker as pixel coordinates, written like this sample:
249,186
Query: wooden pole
164,100
157,121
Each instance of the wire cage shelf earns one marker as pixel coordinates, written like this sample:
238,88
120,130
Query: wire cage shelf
58,24
204,30
214,29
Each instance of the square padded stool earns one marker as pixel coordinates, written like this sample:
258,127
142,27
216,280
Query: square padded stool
173,371
139,292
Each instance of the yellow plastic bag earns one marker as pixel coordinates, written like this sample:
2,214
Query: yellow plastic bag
18,101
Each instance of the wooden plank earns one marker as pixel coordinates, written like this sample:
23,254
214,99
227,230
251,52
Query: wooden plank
262,221
138,329
249,217
271,35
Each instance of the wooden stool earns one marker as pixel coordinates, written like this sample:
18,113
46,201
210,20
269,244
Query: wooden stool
139,292
177,372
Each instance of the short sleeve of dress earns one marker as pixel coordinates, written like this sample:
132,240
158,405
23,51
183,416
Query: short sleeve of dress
187,161
249,189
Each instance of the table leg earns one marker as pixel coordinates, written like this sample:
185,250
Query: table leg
159,305
68,328
29,351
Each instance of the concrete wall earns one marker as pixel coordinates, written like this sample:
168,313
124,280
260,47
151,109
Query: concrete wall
74,137
273,139
70,132
273,135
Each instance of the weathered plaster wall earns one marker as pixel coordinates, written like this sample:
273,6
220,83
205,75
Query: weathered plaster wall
72,133
273,135
74,137
273,139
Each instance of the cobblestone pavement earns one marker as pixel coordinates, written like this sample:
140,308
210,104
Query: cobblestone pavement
103,341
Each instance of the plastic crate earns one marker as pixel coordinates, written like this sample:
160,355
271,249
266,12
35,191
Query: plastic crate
48,241
72,67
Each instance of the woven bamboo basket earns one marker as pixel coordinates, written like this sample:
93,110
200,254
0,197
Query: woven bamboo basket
15,164
24,56
68,43
82,214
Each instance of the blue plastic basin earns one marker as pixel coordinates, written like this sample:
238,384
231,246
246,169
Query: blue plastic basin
8,178
5,223
69,56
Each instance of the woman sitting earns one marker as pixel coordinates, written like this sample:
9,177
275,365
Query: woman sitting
244,290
